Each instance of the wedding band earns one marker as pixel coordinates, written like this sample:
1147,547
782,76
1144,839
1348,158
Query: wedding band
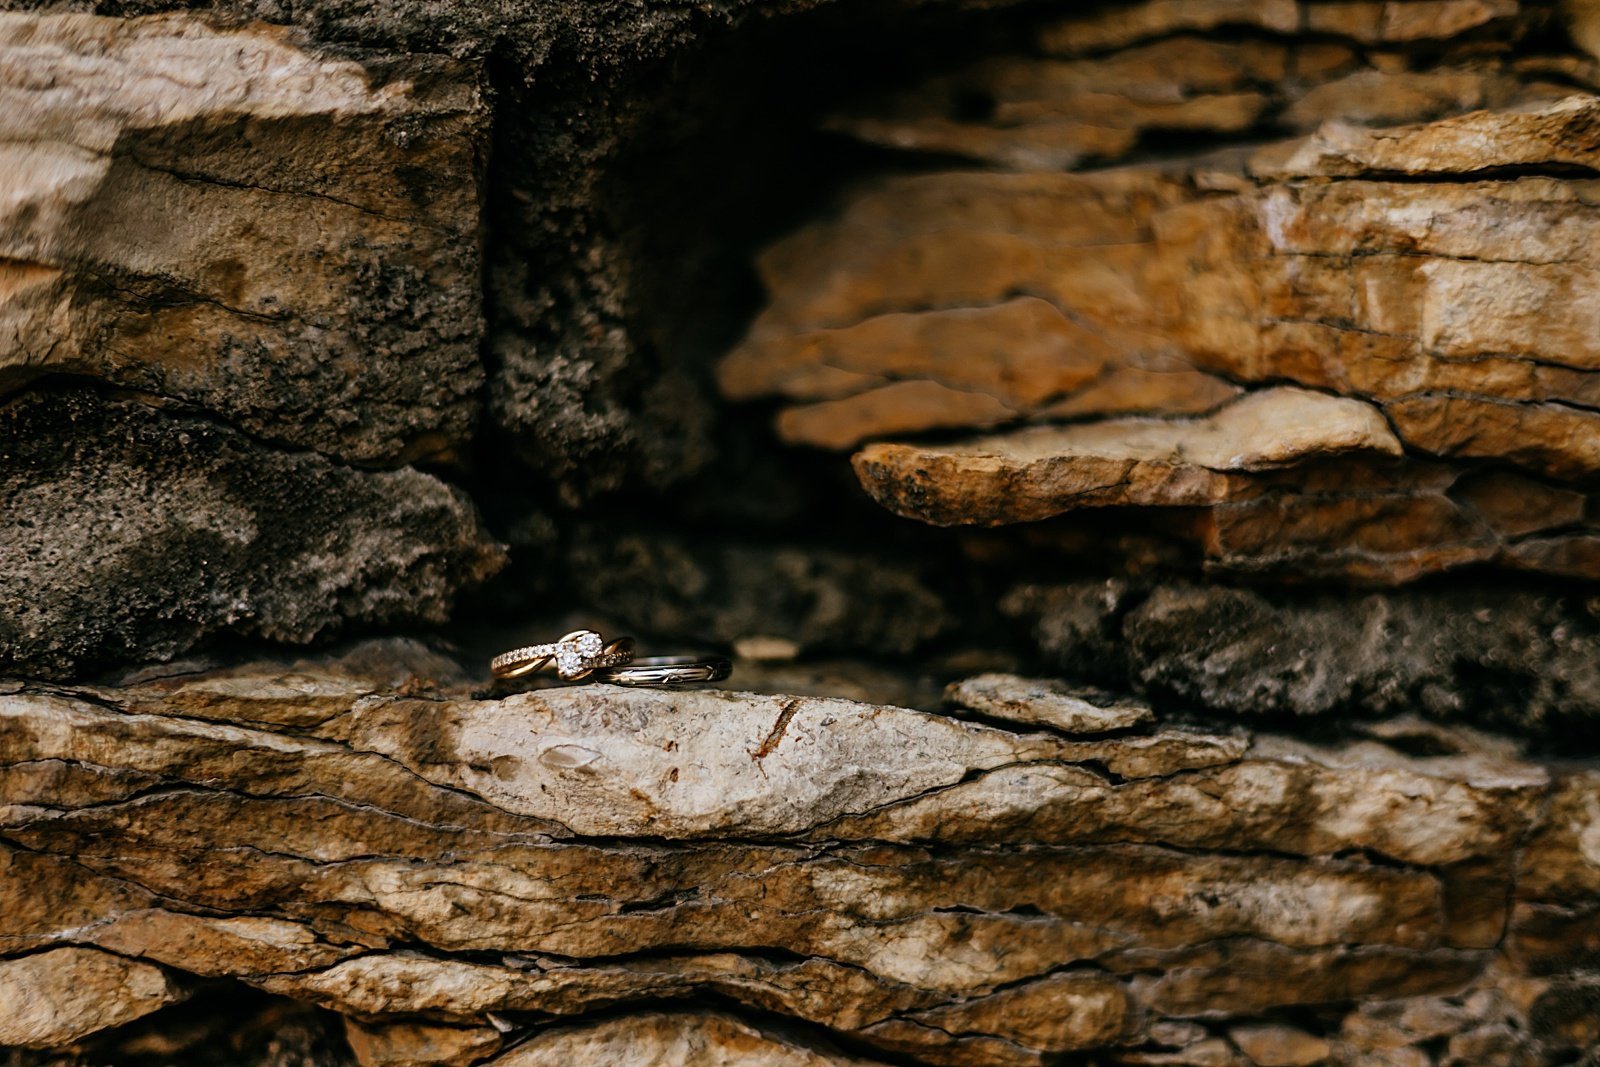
575,656
667,670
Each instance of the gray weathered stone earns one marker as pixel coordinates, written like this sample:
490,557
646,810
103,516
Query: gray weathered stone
130,534
1479,652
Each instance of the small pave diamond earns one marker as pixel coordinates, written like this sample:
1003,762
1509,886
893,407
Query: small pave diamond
574,656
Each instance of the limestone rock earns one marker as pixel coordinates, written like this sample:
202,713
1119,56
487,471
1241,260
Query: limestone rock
1280,1046
1367,21
413,1044
131,534
1047,703
1546,135
1050,114
1131,23
672,1039
1034,474
553,865
1424,250
226,219
839,341
55,997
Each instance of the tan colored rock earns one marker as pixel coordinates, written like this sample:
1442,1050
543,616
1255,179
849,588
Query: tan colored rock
1456,306
56,997
956,892
1128,24
1396,21
1209,1052
1548,134
419,1044
896,408
1280,1046
1562,863
1032,474
1023,352
1250,978
972,239
1142,391
1050,114
1377,97
1043,702
221,217
592,761
670,1039
1046,145
1515,506
902,373
1062,1013
1367,21
1428,298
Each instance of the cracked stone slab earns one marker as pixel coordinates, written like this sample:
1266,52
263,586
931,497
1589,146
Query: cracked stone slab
1544,134
1031,474
1045,702
909,883
219,216
55,997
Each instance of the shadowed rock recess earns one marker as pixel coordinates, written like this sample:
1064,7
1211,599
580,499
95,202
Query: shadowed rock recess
1144,456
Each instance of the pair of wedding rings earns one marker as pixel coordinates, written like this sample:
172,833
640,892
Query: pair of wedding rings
585,655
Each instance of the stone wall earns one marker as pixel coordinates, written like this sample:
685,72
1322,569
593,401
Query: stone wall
1142,455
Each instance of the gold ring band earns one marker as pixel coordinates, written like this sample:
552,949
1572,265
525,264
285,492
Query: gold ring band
574,656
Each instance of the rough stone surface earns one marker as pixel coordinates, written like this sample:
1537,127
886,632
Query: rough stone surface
58,996
1370,221
1487,653
938,890
128,534
1422,245
220,217
673,1039
1047,703
420,1044
1035,474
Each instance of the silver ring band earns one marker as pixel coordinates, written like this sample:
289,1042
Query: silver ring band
667,670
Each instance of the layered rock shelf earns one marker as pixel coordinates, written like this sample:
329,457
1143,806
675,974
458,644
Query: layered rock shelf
1422,248
1141,457
845,880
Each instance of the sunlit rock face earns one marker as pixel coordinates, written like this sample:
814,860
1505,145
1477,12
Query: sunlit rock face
224,218
445,869
1400,212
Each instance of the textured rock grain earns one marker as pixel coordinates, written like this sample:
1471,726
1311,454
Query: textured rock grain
944,891
1508,657
55,997
220,217
1421,242
1035,474
129,534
